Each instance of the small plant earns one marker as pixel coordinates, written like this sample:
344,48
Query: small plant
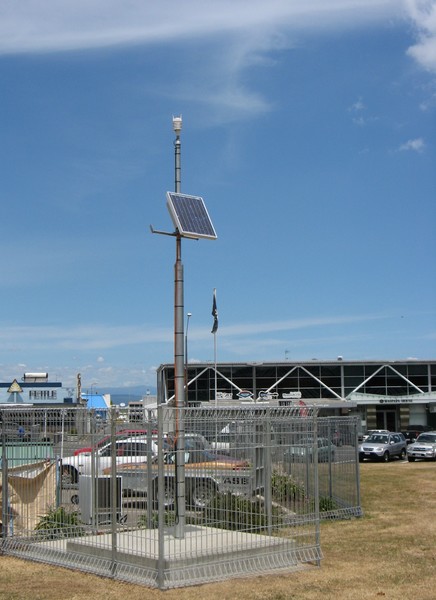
59,523
228,511
284,488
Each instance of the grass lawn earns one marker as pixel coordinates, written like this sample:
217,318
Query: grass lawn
389,553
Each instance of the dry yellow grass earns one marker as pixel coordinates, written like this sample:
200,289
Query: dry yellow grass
388,554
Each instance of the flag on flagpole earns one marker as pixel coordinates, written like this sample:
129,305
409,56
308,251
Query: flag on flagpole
214,313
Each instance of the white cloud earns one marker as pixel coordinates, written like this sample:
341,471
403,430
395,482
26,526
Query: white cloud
423,14
416,145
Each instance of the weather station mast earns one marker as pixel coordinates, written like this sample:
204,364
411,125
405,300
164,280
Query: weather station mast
191,220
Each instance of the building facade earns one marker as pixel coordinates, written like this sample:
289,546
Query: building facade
35,389
385,394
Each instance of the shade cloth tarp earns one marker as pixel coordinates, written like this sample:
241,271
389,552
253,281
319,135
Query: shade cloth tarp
31,492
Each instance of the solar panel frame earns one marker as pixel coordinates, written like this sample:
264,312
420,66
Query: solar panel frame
190,217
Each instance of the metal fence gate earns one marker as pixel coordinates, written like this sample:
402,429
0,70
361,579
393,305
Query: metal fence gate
172,498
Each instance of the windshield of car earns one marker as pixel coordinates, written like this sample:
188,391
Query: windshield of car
378,438
427,437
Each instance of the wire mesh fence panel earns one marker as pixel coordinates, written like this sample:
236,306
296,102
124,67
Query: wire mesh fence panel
338,473
175,498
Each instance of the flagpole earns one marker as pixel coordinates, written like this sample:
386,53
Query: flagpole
216,378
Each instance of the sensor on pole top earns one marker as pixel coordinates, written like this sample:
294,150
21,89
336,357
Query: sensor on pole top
177,125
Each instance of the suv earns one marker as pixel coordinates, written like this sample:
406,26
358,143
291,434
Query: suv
424,447
383,446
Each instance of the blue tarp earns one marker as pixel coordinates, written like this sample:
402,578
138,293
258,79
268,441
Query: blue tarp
95,400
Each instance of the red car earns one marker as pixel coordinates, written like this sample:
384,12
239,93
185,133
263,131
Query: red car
107,438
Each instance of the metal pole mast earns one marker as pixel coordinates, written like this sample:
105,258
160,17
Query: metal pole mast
179,356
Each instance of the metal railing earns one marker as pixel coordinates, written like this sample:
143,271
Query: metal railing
92,491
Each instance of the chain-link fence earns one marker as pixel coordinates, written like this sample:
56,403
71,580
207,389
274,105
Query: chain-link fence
172,498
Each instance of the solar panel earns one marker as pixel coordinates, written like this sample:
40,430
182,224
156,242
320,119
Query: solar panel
190,216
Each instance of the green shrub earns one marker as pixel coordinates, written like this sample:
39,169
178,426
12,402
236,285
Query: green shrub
228,511
169,520
326,504
59,523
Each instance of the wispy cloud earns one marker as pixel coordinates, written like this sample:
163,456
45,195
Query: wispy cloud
91,346
53,25
358,114
357,106
231,37
100,337
356,110
416,145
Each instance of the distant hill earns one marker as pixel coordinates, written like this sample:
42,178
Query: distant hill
124,395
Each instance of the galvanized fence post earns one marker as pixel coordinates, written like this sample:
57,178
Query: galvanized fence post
5,490
113,491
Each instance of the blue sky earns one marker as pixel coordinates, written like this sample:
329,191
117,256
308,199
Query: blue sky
308,129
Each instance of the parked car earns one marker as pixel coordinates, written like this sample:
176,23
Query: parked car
206,474
424,448
304,450
383,446
366,435
128,450
413,431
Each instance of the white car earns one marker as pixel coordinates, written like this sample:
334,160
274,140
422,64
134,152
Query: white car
134,449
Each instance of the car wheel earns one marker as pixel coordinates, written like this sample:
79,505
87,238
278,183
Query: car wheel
402,454
70,476
385,457
202,494
169,495
360,458
411,458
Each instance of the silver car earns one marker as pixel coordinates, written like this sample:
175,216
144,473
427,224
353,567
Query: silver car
304,451
383,446
423,448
